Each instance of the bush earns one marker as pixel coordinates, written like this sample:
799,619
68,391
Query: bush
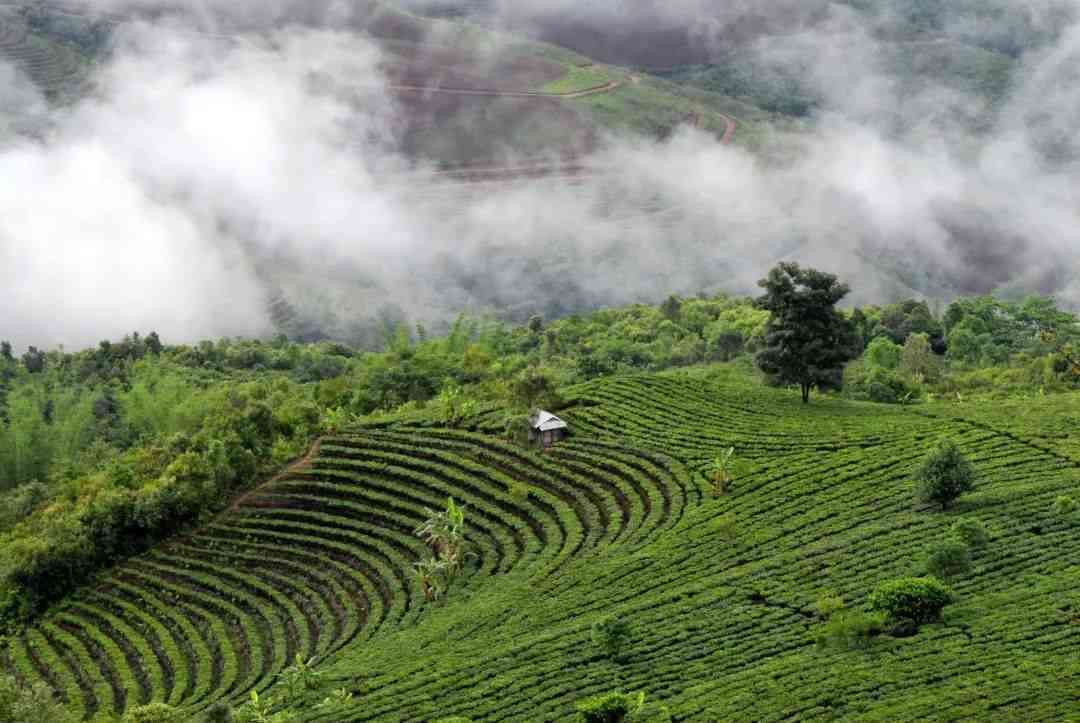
30,704
884,353
609,634
918,599
972,533
948,560
850,629
153,713
944,476
220,712
612,707
1065,507
828,605
868,383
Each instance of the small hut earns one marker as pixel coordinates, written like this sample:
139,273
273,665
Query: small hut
545,429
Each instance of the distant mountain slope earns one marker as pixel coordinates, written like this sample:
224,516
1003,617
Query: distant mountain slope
522,116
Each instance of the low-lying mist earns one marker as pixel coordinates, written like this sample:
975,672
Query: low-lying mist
215,186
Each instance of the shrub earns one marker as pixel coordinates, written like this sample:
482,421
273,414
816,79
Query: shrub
1065,507
884,353
519,491
726,526
609,634
516,428
868,383
950,559
919,599
220,712
30,704
612,707
972,533
153,713
944,476
849,630
828,605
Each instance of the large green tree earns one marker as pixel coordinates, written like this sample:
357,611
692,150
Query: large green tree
807,341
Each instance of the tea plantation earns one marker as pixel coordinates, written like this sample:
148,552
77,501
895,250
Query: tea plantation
719,594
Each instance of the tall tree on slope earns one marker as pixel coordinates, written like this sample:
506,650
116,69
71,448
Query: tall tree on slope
807,341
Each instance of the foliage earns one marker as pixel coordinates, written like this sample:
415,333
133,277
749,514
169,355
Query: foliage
610,634
829,604
154,713
1066,507
807,341
32,704
866,382
917,360
883,353
433,576
919,599
341,696
220,712
300,676
949,559
849,630
944,475
721,473
971,532
614,707
258,709
444,531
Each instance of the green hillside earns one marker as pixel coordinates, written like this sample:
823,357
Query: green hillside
720,594
721,603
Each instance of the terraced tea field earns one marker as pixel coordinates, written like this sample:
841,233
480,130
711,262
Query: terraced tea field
54,66
718,592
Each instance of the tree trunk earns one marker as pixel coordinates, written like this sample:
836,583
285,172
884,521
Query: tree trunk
805,393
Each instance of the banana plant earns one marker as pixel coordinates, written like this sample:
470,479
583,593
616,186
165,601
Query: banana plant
300,675
432,576
722,472
445,532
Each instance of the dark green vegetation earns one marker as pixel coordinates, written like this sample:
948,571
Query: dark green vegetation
807,340
611,563
945,475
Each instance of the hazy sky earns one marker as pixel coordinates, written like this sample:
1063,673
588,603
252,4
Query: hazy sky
204,177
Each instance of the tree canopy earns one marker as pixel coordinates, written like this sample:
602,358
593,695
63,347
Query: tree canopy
807,340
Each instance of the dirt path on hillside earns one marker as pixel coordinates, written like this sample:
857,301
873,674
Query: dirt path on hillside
492,93
730,124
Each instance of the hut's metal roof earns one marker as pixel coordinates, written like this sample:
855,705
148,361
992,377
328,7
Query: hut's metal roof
546,421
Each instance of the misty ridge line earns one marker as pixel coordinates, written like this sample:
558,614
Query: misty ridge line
197,184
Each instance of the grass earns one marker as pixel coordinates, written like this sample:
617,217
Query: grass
579,78
719,593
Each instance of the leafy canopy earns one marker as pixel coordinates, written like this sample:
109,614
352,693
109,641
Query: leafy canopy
807,340
919,599
945,475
